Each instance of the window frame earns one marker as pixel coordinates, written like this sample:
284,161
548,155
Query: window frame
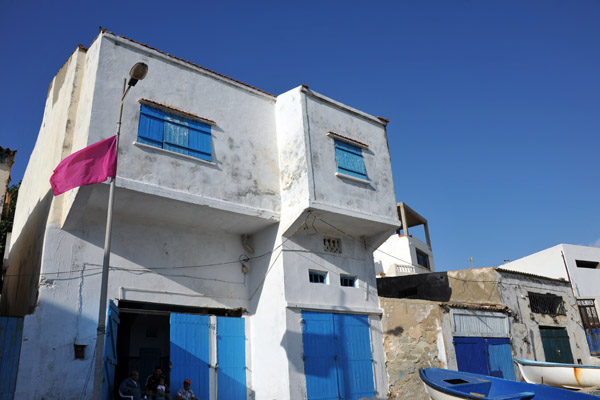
320,274
348,278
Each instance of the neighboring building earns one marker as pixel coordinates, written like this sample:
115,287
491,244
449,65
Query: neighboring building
475,320
7,159
581,266
403,253
242,240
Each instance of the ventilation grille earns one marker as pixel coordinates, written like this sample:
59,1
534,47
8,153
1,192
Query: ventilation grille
332,245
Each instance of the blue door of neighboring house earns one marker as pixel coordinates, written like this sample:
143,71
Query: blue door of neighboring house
486,356
190,353
110,351
231,358
338,362
11,334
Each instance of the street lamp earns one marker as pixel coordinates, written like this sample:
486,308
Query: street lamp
137,73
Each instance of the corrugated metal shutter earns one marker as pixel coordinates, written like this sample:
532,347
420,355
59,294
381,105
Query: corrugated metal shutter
190,353
481,325
110,351
231,359
11,334
355,360
319,356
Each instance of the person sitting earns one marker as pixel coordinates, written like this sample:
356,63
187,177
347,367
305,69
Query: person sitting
161,390
153,381
130,387
185,393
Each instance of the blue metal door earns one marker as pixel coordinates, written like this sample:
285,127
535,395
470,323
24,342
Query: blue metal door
190,353
485,356
338,362
11,334
110,351
470,355
231,359
500,358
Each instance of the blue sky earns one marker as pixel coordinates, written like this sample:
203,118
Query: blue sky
494,104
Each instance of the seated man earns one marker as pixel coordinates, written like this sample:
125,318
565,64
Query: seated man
153,381
130,387
185,393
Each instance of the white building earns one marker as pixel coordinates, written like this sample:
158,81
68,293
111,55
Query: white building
579,265
243,232
404,253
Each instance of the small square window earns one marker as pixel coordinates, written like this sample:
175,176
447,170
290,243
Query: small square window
349,159
348,281
317,276
423,259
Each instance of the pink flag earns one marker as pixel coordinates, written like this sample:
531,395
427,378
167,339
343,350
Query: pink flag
92,164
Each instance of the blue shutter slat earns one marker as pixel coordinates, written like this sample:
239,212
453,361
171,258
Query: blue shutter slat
348,147
231,358
189,352
355,360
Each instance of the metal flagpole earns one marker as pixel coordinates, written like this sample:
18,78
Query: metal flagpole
138,72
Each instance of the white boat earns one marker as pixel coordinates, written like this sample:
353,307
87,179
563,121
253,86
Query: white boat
570,376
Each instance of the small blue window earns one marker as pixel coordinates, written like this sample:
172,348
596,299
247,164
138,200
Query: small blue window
350,159
174,133
349,281
317,276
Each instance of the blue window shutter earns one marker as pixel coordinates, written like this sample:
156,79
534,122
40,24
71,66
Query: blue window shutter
200,140
231,358
319,356
174,133
350,160
190,353
110,351
11,335
151,126
355,360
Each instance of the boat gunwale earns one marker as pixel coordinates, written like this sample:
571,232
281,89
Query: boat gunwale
553,365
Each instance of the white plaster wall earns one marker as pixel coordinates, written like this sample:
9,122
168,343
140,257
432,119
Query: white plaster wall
377,198
244,137
294,163
544,263
401,250
304,251
586,282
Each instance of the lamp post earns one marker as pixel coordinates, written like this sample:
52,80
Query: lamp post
137,73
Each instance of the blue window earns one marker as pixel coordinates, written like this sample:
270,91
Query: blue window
346,280
350,159
174,133
317,277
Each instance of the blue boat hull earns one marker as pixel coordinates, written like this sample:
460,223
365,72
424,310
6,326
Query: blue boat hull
444,384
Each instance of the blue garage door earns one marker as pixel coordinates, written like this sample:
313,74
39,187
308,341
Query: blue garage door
486,356
338,362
